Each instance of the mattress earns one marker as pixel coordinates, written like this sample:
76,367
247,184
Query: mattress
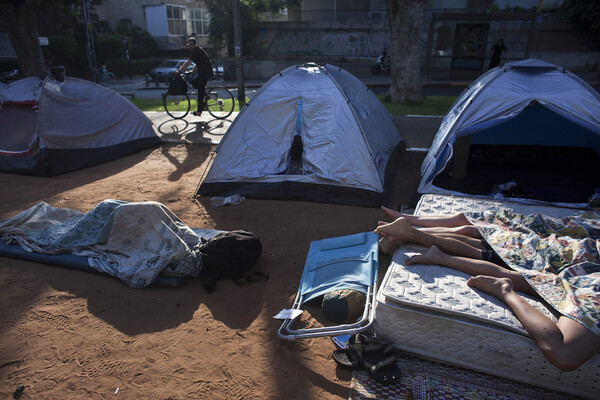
431,312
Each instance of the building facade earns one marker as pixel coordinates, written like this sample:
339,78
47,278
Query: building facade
169,22
457,35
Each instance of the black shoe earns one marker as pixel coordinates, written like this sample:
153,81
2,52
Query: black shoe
364,352
197,113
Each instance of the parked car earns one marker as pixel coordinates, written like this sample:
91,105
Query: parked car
165,71
218,71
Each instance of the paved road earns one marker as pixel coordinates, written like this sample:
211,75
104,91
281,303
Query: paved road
378,83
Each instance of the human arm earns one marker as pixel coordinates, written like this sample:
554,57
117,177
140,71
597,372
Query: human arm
184,66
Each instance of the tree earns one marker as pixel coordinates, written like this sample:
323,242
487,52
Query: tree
406,20
26,19
585,16
221,19
20,17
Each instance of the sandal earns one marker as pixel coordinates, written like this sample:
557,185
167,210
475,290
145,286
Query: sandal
368,353
344,359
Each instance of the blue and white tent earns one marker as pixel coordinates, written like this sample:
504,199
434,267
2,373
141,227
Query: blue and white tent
49,128
530,105
313,133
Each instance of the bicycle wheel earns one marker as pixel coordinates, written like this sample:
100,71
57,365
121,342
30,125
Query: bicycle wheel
177,106
109,77
220,103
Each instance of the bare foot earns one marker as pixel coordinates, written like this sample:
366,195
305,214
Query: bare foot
433,255
498,287
387,245
399,228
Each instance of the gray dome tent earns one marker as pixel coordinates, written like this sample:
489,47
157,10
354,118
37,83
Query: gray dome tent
528,121
49,128
313,133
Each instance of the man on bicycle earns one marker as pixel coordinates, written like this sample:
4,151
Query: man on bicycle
203,68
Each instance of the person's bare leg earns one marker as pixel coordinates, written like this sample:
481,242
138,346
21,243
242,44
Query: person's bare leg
464,230
472,241
447,221
472,267
400,231
566,344
387,245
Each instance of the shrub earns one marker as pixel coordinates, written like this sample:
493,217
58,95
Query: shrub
108,47
62,50
122,68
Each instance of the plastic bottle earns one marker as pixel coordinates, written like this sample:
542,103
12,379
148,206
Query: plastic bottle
594,200
233,200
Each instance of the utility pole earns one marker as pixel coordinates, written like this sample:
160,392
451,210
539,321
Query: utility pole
237,35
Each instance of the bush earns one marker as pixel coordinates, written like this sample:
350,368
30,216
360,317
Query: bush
122,68
108,47
62,50
140,43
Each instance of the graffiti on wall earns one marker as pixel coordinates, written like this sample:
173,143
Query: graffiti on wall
296,43
368,44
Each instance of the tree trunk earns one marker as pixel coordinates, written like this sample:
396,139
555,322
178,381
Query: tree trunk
20,19
406,21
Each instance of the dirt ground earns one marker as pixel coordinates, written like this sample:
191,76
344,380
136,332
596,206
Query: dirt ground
69,334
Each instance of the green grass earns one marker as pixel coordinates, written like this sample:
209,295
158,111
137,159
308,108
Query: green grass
433,105
157,104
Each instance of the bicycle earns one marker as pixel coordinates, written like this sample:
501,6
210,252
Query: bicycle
102,75
218,101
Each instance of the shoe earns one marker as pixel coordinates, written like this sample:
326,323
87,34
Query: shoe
197,113
367,353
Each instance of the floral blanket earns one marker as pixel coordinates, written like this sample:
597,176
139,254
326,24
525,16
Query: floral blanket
132,241
559,257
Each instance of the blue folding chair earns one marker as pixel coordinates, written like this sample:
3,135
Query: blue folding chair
346,262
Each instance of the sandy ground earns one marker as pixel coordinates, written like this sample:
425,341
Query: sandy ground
68,334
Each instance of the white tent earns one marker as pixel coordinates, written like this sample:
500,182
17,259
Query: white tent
48,127
517,113
312,133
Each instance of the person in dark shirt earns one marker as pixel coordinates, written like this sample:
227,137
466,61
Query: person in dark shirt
497,51
203,69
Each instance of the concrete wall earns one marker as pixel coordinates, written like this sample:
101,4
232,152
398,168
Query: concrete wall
325,42
526,35
256,69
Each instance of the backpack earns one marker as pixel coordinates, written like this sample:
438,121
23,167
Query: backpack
177,86
229,255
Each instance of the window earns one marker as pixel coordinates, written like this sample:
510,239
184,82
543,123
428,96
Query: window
200,21
376,16
6,48
176,20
